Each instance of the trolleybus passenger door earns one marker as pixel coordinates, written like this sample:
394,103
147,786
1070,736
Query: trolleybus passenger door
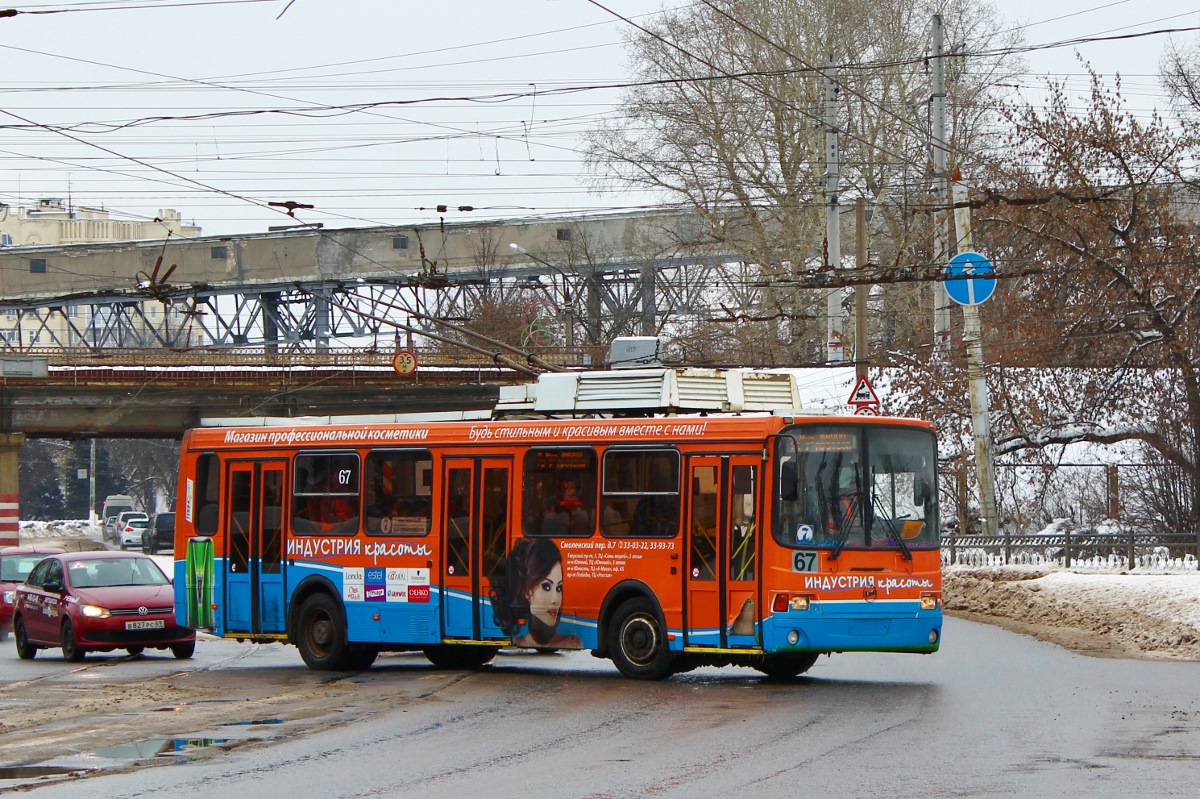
474,533
722,552
254,548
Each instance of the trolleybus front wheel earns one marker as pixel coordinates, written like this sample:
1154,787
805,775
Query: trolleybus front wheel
783,667
637,643
460,656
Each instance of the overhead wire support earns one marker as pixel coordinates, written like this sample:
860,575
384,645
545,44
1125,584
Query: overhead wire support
939,147
833,226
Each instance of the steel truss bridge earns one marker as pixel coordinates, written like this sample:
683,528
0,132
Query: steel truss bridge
567,284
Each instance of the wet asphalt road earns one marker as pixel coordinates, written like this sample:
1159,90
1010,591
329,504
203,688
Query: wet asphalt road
991,715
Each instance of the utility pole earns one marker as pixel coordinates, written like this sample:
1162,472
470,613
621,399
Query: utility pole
833,232
862,346
940,147
985,454
92,483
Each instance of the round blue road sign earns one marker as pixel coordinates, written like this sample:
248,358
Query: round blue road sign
968,278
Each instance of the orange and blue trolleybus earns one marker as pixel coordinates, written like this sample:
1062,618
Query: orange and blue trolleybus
663,541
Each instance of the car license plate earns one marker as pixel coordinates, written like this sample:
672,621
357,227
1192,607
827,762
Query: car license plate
153,624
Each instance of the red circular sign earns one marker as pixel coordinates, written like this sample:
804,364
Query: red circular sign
404,362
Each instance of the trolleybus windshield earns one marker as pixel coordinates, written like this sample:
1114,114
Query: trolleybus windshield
858,487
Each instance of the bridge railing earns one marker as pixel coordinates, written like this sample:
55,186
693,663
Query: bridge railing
285,357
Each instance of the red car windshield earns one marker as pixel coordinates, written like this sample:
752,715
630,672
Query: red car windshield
115,571
15,568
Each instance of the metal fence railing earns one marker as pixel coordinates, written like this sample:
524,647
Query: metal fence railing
1125,550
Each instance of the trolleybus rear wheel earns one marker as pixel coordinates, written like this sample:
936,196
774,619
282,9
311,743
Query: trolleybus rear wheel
321,634
637,643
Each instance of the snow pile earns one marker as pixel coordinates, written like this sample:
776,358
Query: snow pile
71,535
1143,615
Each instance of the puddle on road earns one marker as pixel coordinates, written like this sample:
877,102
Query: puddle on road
155,747
32,772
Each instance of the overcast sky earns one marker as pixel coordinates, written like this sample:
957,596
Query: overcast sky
108,62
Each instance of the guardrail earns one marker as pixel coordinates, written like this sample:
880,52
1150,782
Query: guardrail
1126,550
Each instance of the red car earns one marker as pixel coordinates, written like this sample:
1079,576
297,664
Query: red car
15,565
97,602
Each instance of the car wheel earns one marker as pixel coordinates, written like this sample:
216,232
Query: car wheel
70,643
25,650
134,651
637,643
184,651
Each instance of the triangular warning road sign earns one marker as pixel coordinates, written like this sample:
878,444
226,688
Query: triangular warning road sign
863,393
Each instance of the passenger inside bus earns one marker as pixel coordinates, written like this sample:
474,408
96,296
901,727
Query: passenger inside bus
657,514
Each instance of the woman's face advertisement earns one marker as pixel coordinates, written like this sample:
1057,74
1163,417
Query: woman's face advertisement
545,597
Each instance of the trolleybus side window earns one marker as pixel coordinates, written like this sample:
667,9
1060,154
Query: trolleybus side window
240,503
560,492
208,483
641,493
397,491
271,557
742,545
325,499
458,522
702,557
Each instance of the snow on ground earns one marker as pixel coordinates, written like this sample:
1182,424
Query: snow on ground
1140,614
1118,614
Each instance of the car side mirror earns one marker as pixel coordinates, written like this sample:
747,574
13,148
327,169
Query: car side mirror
54,587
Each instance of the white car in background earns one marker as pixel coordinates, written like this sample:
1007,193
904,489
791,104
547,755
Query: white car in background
129,528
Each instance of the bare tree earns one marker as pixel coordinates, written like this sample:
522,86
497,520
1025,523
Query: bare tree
728,120
1087,215
1179,67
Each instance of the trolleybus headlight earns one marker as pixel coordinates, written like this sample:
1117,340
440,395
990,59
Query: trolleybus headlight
793,637
782,603
929,602
933,636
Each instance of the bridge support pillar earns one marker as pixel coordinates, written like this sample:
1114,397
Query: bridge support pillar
10,488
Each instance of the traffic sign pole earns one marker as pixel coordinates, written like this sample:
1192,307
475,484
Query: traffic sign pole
985,456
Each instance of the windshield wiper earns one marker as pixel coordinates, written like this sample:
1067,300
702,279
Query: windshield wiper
895,537
846,519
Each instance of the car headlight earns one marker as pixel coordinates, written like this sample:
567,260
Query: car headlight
94,611
10,597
